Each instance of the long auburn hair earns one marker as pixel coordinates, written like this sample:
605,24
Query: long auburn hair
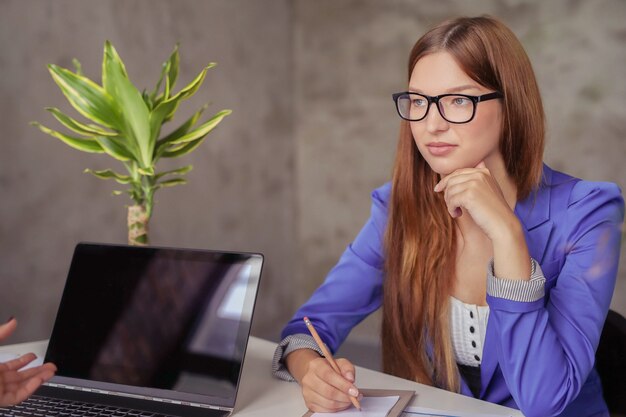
420,239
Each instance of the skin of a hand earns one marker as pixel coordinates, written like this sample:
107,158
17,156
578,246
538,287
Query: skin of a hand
17,385
323,389
477,192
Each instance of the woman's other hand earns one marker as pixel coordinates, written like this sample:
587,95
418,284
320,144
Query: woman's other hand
16,385
323,389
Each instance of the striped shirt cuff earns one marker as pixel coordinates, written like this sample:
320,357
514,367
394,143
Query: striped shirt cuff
285,347
517,290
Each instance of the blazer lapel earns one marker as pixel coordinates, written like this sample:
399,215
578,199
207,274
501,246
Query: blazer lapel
534,214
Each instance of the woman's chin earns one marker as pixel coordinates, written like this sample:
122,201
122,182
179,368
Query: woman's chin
443,169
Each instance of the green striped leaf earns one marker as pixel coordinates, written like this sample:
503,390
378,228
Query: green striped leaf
153,95
202,130
172,74
108,174
179,171
116,148
82,144
169,72
149,171
78,68
167,88
183,149
110,56
171,149
78,127
136,115
191,88
146,99
165,109
170,183
87,97
162,144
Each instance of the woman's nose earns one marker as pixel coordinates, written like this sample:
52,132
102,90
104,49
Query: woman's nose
434,121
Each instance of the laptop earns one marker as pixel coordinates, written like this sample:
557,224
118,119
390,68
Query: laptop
149,331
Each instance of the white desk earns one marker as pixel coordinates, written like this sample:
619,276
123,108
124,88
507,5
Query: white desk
261,395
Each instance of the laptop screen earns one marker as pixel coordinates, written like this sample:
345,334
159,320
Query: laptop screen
155,322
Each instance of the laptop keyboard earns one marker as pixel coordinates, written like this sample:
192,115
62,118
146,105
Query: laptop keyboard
45,406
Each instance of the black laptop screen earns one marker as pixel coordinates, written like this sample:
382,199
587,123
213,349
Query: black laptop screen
150,320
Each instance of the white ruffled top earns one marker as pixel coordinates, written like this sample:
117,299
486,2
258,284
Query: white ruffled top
468,326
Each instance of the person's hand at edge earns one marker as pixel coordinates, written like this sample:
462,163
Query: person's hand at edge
17,385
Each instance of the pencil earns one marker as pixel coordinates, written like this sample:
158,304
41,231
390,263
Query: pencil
328,355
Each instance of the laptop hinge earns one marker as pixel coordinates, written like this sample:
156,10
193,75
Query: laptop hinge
137,396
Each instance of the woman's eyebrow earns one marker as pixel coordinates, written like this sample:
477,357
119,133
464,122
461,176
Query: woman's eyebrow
456,89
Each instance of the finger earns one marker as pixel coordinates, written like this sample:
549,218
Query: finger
461,196
477,185
19,376
341,385
316,389
30,387
319,402
43,374
20,362
457,186
321,369
7,328
481,165
461,178
454,176
49,366
455,203
325,389
325,382
15,378
347,369
321,397
47,374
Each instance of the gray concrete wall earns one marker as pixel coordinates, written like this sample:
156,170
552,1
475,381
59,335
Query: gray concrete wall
241,191
312,133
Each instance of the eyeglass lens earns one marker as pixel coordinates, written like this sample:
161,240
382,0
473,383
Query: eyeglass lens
456,109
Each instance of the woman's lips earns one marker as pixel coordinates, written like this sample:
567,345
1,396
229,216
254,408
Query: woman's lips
440,148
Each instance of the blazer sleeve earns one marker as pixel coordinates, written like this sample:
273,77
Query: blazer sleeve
353,288
546,349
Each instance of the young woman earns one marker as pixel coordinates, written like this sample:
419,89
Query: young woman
494,272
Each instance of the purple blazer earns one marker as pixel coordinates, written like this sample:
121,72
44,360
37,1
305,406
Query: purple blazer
538,356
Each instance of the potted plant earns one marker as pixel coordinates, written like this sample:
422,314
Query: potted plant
126,124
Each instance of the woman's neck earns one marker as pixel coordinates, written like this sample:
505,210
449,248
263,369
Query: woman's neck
498,171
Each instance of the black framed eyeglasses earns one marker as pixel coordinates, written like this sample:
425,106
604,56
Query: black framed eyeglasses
455,108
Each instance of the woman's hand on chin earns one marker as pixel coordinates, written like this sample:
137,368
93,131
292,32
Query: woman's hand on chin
475,191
